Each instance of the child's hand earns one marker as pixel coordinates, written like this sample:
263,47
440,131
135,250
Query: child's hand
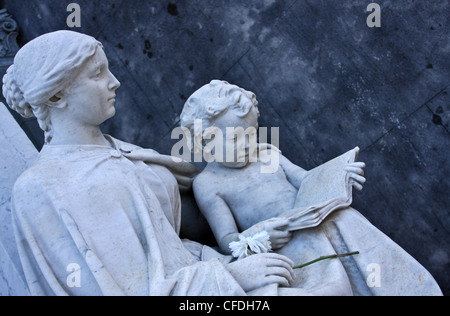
277,230
356,174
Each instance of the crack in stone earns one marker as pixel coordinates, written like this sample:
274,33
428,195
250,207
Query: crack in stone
407,118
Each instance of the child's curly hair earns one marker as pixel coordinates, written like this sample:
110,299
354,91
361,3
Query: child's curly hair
209,102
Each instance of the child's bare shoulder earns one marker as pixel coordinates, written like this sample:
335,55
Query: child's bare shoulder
205,183
207,192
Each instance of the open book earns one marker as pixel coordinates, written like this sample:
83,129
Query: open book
324,190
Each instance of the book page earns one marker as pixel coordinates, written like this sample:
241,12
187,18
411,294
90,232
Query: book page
324,189
327,182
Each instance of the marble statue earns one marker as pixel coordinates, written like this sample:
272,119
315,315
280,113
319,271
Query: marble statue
8,36
300,214
97,216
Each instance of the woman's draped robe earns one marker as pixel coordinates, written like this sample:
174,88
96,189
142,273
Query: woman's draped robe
115,220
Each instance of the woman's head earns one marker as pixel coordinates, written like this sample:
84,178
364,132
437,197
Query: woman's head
43,69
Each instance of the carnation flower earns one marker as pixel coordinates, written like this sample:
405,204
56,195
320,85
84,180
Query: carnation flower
247,246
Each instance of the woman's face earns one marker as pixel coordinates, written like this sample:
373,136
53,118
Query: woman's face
91,97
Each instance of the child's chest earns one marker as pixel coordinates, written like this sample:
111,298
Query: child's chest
254,196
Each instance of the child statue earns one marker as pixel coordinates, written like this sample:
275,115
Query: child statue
242,201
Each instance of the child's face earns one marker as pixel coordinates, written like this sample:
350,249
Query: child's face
239,134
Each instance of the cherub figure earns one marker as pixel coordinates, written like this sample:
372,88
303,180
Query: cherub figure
243,204
234,195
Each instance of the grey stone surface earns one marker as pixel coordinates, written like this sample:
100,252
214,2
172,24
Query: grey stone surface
16,155
323,77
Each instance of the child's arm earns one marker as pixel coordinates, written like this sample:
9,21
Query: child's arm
294,173
217,213
221,220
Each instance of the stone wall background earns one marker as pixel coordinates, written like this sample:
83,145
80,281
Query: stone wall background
328,81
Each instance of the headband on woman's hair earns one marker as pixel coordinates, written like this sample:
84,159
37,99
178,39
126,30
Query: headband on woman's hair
49,63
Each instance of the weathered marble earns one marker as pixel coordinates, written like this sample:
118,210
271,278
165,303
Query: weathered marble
9,31
383,89
17,153
305,214
98,216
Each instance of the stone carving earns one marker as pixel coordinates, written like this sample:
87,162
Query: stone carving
16,155
8,36
307,214
98,216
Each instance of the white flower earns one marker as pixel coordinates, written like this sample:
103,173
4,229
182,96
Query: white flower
247,246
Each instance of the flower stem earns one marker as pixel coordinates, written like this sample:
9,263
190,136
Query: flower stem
326,258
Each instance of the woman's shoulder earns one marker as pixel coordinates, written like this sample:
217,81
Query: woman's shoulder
33,177
46,168
29,190
125,146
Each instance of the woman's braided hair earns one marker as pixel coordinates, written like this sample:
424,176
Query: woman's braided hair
16,100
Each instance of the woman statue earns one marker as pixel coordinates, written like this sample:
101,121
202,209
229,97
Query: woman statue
95,215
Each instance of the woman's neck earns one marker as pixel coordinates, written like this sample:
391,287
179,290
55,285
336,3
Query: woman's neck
79,135
68,130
